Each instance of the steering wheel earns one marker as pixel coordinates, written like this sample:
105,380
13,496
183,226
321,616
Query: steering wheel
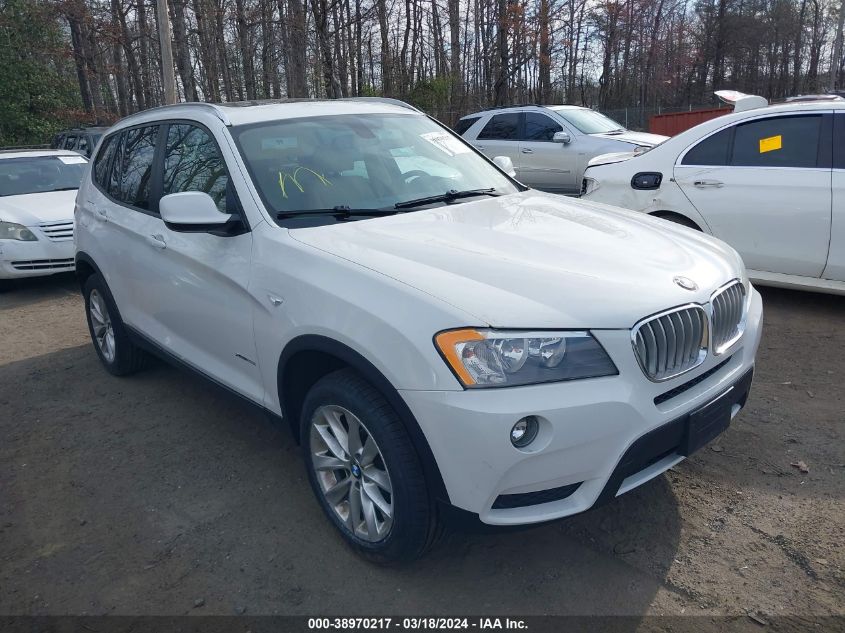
415,173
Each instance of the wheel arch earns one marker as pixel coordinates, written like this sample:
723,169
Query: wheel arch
85,267
308,358
674,216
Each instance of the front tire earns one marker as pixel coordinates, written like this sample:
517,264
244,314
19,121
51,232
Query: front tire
365,471
116,351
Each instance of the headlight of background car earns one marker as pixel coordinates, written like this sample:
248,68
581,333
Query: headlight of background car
588,185
12,231
490,358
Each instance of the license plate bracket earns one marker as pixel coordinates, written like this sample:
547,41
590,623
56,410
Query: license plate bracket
708,422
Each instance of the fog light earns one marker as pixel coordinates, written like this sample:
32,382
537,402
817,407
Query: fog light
524,431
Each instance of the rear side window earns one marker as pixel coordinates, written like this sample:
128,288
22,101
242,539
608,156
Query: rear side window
70,142
539,127
133,167
714,150
501,127
466,123
193,163
791,141
83,146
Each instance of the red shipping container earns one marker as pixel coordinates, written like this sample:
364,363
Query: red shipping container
677,122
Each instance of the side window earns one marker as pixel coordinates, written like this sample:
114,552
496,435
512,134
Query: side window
113,179
132,176
101,163
193,163
466,123
83,145
501,127
790,141
70,142
58,141
711,151
539,127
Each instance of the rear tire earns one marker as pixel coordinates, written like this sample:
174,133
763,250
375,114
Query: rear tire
369,481
119,355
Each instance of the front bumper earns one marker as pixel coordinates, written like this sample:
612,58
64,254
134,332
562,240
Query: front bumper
35,259
589,431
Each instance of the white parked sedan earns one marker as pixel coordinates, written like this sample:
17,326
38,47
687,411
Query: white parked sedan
770,181
440,338
37,194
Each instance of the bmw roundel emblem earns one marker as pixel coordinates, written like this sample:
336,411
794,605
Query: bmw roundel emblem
686,283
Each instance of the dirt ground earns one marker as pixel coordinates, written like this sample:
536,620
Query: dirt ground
161,494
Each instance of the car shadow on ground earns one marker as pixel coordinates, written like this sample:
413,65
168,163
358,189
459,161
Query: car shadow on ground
143,495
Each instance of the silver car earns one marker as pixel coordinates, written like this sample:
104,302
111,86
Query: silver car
550,146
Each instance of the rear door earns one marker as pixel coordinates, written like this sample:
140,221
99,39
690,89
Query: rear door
764,186
545,164
500,137
836,258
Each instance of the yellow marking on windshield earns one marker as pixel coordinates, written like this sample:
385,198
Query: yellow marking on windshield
294,178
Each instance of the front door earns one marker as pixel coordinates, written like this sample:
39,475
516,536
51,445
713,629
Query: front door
764,186
545,164
836,258
193,291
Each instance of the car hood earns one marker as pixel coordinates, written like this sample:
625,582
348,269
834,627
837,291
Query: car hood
34,208
643,139
534,260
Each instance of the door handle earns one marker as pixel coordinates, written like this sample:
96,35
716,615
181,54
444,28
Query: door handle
480,148
156,240
708,183
526,150
101,213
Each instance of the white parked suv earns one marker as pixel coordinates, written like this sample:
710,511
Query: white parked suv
37,190
440,339
770,181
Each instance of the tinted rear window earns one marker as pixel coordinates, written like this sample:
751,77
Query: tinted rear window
502,127
466,123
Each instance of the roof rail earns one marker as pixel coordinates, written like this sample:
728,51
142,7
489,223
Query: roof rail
212,107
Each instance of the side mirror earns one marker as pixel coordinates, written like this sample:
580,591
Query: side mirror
191,208
562,137
506,165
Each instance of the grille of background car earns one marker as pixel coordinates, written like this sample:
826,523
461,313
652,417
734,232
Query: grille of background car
43,264
58,231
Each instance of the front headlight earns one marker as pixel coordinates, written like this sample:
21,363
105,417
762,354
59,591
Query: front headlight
12,231
589,185
491,358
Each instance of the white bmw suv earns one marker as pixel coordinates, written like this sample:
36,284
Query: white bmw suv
440,339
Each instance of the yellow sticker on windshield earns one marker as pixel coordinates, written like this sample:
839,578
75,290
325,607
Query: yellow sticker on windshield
771,143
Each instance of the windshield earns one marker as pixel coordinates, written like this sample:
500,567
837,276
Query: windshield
40,174
371,161
589,121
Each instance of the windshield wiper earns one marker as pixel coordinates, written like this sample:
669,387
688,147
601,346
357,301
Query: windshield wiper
341,212
62,189
450,195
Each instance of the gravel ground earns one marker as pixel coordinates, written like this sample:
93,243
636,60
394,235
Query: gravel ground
161,494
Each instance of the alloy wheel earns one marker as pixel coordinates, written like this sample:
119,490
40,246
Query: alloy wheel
351,473
101,325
